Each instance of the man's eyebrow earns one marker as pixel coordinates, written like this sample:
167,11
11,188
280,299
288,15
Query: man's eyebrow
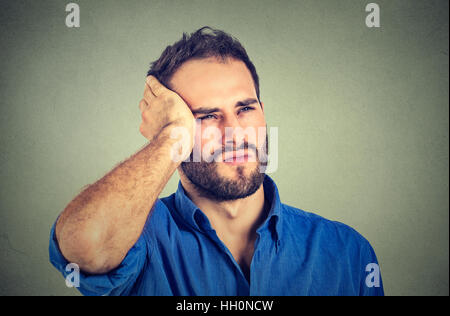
206,110
246,102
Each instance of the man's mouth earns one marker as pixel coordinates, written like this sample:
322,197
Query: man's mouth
237,157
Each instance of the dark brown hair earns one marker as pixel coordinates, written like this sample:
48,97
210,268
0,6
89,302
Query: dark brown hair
203,43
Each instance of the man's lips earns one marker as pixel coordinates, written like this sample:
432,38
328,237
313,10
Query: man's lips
236,157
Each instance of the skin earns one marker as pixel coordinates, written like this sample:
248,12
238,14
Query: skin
209,83
99,226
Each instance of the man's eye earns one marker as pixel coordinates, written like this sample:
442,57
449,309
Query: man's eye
246,109
206,117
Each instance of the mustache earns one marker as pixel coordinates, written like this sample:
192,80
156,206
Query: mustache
209,155
230,148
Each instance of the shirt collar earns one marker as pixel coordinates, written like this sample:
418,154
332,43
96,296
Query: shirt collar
198,220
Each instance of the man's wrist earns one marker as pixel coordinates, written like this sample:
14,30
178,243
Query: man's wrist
176,145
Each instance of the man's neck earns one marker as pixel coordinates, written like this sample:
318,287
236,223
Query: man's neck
238,218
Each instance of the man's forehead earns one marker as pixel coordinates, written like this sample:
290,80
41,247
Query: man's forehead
212,80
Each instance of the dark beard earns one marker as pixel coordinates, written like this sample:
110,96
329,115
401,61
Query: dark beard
211,185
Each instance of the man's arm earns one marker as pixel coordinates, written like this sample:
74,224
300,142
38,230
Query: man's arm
99,226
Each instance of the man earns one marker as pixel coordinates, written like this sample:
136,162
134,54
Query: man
225,230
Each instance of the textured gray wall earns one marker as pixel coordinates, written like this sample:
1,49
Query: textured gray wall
362,116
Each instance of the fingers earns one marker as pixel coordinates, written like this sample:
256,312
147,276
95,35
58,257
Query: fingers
156,87
148,94
143,105
148,97
153,88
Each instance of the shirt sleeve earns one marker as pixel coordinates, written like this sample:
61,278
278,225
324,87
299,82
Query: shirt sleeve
371,282
119,281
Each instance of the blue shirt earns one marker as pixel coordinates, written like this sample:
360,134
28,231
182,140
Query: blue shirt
179,253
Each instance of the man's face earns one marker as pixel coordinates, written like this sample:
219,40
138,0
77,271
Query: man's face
222,97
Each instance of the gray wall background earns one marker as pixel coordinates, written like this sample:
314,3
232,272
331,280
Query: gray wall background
362,116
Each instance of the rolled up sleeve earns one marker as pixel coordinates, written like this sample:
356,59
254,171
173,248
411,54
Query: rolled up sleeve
119,281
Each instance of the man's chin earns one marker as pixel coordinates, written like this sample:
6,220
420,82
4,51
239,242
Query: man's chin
221,181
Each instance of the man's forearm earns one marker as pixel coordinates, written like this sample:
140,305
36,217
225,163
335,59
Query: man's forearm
102,223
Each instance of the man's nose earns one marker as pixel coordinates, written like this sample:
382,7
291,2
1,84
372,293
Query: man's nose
230,121
231,135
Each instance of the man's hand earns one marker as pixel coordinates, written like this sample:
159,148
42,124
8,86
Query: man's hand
162,110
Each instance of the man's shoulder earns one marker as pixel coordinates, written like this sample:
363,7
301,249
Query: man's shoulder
301,222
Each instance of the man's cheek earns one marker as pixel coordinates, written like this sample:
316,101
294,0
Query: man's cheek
208,144
262,136
197,149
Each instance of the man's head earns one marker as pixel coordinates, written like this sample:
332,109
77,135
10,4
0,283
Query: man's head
216,79
203,43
